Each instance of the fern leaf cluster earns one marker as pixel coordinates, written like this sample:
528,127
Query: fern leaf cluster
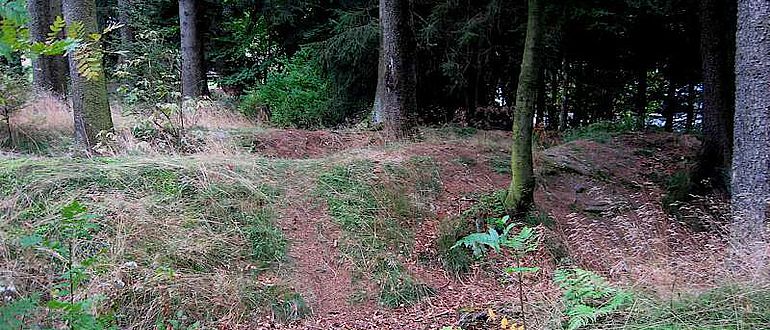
588,297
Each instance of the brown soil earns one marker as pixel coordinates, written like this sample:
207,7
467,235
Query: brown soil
604,198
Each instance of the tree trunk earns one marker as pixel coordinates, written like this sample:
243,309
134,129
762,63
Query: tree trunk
669,107
690,108
564,96
399,69
540,103
49,73
379,94
641,97
89,96
751,160
716,18
553,101
193,72
124,15
520,192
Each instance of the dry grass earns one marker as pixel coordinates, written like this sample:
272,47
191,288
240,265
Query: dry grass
181,238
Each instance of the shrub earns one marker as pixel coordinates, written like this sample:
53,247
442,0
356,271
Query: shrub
602,131
297,96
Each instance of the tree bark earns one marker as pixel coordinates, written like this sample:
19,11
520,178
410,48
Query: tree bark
716,19
641,97
751,160
564,107
669,107
89,96
193,71
378,110
49,73
520,192
398,68
124,15
690,108
540,103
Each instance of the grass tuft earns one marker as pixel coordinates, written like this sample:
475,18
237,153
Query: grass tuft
376,216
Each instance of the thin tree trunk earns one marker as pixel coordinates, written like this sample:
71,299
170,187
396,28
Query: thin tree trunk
193,72
717,19
670,107
540,103
520,192
690,108
377,109
49,73
89,96
751,160
127,31
641,97
564,96
399,100
553,106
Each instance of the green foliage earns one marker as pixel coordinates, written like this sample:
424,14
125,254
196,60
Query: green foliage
14,91
602,131
679,186
449,232
179,321
84,47
12,314
63,237
588,297
243,52
285,304
397,288
489,209
730,307
150,72
523,242
297,96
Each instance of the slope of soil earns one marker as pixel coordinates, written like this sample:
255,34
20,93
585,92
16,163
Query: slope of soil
604,199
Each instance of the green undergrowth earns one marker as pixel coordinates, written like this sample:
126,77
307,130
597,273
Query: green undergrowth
601,131
377,211
487,212
173,227
736,306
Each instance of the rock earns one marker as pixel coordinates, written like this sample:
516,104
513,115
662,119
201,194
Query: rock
597,206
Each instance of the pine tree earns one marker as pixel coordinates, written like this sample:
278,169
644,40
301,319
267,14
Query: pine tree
193,72
751,159
396,102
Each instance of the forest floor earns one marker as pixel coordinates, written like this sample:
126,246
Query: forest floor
338,230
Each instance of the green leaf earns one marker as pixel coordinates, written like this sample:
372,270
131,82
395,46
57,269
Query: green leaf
511,270
31,240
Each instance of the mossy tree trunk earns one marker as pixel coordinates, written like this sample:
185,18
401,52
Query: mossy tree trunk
520,192
751,159
398,69
89,96
49,73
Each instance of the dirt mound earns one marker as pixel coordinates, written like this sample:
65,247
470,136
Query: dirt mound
301,144
607,200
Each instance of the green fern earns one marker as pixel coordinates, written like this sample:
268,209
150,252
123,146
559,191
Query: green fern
588,297
12,314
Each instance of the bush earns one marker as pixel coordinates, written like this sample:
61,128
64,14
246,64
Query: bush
602,131
297,96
